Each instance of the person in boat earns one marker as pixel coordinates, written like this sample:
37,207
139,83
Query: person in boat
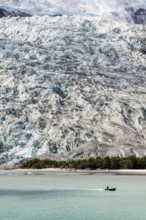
110,189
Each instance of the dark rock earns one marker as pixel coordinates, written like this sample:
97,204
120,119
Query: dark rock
4,12
139,16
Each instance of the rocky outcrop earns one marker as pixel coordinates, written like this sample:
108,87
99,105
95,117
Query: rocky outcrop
71,87
5,12
140,16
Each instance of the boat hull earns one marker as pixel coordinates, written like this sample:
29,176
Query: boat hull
111,189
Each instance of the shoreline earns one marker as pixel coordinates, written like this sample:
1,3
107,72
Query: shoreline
58,171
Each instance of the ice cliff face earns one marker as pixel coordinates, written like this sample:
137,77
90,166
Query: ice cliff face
71,87
118,10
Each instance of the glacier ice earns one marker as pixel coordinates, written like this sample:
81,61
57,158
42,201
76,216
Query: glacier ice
71,87
115,9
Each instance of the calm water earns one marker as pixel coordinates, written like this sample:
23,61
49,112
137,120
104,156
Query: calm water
72,197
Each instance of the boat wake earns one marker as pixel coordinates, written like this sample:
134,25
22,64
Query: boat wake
76,189
94,189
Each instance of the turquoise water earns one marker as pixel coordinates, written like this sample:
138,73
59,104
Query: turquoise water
72,197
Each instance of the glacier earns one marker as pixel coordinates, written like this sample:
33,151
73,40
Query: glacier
124,10
71,87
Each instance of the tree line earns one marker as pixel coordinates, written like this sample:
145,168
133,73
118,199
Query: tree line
111,163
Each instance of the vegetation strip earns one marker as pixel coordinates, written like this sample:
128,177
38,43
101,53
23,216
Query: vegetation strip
130,162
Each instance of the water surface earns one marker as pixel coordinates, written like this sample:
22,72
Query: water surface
75,197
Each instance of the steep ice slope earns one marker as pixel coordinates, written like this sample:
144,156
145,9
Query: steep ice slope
72,87
117,9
